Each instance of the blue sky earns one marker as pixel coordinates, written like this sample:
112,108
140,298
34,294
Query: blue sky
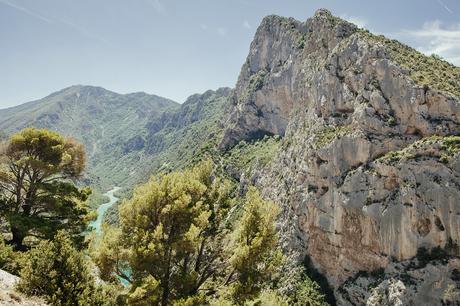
174,48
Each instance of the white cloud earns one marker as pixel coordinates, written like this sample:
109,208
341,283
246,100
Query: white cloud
158,6
359,21
27,11
203,26
246,24
445,6
436,38
221,31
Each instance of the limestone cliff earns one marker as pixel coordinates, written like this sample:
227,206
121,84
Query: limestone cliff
369,169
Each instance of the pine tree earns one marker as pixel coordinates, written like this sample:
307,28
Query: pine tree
255,253
61,274
37,191
172,229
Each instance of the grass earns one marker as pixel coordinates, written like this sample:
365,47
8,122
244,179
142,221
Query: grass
325,136
245,155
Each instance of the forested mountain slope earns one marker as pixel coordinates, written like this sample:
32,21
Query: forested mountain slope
127,137
110,125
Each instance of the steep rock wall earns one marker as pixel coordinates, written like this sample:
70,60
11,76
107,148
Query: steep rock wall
359,178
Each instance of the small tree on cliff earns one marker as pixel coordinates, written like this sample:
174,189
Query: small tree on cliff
37,191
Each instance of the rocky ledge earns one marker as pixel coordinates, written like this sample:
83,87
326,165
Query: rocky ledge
368,173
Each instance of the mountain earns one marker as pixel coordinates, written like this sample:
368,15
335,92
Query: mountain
360,136
355,136
112,126
181,137
127,137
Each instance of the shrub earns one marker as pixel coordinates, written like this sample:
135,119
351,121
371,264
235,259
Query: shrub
61,274
9,260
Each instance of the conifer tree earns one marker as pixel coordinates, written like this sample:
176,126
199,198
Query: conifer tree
38,195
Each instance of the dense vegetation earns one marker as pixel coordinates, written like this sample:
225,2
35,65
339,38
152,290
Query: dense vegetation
185,238
37,194
107,123
184,139
62,275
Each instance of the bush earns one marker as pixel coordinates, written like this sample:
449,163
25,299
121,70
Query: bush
269,298
61,274
9,260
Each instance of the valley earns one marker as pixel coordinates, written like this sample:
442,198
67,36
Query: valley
96,225
354,137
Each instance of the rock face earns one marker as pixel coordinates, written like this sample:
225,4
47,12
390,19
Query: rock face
9,296
405,283
361,178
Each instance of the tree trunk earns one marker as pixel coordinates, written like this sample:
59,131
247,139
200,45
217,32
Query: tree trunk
18,238
165,295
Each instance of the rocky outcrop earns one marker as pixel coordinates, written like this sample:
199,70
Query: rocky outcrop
9,296
360,177
412,282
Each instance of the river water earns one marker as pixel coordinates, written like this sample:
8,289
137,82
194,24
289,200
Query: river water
97,224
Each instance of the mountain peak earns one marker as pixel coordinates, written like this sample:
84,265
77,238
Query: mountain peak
359,116
322,12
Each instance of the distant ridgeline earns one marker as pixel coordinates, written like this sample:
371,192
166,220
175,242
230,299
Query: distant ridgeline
127,137
354,136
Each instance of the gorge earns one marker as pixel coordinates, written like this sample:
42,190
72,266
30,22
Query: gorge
354,136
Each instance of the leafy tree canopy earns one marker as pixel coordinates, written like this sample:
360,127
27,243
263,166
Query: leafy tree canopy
61,274
38,195
187,239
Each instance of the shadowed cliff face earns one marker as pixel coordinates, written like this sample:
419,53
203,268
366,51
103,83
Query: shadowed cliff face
273,81
360,177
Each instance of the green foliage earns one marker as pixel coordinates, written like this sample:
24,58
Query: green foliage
102,120
97,198
255,83
61,274
246,155
308,293
174,136
396,156
297,286
109,255
177,147
448,147
9,259
173,229
326,135
37,194
269,298
451,295
424,70
6,254
255,254
178,244
148,292
451,144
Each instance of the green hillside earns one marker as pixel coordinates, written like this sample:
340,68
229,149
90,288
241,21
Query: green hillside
127,137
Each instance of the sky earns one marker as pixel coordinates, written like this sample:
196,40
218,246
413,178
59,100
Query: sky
175,48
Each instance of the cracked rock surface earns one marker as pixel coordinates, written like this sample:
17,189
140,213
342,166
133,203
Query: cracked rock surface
369,169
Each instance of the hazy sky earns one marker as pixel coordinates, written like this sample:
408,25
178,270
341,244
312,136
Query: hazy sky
174,48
